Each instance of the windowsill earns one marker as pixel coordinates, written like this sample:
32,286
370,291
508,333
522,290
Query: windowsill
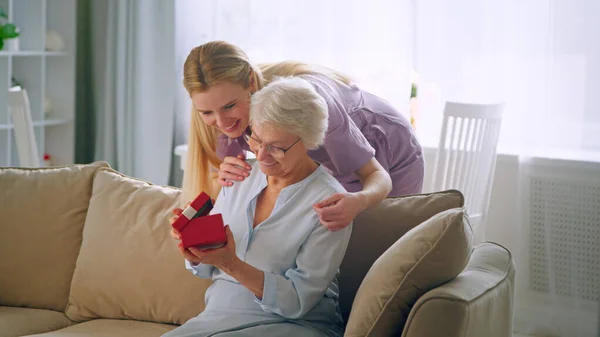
430,146
504,154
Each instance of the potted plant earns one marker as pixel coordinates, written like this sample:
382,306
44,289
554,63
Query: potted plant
414,104
9,33
414,107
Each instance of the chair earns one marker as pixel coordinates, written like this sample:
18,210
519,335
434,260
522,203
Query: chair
466,157
18,103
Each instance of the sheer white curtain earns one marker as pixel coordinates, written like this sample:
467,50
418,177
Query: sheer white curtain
542,57
133,59
370,41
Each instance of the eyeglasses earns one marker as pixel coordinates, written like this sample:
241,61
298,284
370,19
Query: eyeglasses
275,151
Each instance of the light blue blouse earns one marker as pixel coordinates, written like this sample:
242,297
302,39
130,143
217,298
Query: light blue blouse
300,258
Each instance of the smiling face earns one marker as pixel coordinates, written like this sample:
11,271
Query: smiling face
225,106
295,154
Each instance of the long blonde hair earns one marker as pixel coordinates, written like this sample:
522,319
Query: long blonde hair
295,68
218,62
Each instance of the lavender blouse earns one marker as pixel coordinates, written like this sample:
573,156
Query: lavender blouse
361,126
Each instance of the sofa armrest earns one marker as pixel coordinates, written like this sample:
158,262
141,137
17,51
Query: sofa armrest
478,302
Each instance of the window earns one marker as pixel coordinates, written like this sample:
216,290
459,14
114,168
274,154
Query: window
540,56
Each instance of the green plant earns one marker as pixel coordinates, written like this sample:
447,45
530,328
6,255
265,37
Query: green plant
413,90
15,83
7,30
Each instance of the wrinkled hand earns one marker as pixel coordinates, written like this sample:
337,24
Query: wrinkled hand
338,210
233,169
223,258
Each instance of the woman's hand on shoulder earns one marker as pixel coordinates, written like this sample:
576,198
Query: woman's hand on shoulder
233,169
338,210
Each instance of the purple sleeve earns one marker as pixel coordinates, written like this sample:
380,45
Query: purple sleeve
227,147
347,147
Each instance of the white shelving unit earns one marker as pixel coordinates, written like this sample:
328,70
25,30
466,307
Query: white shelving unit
46,75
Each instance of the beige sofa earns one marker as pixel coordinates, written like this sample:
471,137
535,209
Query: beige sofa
85,251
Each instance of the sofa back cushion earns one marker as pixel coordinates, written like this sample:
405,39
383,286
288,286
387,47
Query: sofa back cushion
42,212
426,257
376,229
129,266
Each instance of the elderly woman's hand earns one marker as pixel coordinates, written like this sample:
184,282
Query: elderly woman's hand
233,169
337,211
176,212
223,258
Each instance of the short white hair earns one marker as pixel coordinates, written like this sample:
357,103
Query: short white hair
292,104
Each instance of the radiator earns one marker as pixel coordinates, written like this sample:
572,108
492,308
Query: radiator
558,261
564,241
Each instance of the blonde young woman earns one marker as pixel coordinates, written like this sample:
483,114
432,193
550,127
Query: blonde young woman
369,147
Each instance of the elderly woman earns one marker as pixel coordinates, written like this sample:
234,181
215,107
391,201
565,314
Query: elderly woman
277,274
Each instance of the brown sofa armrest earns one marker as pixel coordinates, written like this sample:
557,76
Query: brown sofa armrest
478,302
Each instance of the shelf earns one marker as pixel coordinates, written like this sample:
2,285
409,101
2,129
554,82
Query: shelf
51,122
46,122
46,72
32,53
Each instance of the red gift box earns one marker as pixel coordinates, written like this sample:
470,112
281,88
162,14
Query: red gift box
197,229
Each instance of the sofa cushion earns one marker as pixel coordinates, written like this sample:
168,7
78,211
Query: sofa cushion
478,302
16,321
377,228
427,256
42,212
129,266
111,328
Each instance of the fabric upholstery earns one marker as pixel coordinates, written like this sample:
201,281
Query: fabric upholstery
478,302
111,328
376,229
129,266
16,321
427,256
42,212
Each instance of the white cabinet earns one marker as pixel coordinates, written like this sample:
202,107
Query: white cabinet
47,75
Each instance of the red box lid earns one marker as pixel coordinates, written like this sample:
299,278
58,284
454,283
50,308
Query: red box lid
201,203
